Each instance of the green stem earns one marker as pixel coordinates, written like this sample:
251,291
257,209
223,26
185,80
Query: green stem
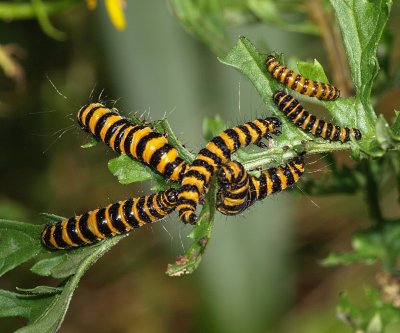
372,194
24,11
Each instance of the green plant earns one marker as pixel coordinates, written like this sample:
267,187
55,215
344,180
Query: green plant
362,24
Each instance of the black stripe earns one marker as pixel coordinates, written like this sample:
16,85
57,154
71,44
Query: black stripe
102,223
257,129
262,190
338,131
46,236
303,117
84,228
128,139
129,215
311,123
152,209
328,132
101,122
170,167
141,145
158,155
289,176
88,117
319,128
204,164
288,76
73,233
115,218
140,207
196,174
208,153
246,132
119,125
295,114
220,143
57,234
235,138
276,180
252,191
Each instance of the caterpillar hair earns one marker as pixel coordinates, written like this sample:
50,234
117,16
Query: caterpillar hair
252,189
118,218
218,151
292,80
310,123
136,141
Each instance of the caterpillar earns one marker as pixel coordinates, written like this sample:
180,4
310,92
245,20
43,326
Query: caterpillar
118,218
310,123
292,80
233,193
137,141
234,198
218,151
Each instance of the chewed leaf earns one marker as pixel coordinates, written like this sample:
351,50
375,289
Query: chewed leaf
19,242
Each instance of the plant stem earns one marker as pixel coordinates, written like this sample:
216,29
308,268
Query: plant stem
24,11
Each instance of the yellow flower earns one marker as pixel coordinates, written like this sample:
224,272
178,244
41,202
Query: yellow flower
115,9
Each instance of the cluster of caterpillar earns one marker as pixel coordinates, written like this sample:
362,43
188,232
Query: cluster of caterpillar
237,189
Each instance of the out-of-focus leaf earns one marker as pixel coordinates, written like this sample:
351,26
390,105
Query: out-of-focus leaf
381,244
361,23
204,19
19,242
396,123
271,11
370,317
212,126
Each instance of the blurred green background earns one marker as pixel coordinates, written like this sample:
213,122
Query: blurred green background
261,272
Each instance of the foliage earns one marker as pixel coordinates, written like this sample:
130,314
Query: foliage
361,24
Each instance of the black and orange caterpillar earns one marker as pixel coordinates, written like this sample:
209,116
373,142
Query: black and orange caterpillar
118,218
218,151
238,190
137,141
310,123
292,80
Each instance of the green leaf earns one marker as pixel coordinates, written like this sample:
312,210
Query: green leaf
129,171
91,143
396,123
46,311
201,233
39,290
370,317
205,20
276,12
361,23
19,242
381,244
384,134
63,264
173,141
212,126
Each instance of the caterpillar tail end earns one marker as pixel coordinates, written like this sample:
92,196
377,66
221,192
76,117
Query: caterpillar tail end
188,217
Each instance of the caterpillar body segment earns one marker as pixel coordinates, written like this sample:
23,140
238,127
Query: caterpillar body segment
252,189
310,123
322,91
118,218
233,193
218,151
137,141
